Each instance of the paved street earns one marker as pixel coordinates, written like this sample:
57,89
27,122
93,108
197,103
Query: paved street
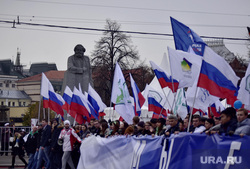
5,161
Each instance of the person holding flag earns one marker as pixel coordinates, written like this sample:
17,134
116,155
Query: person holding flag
69,136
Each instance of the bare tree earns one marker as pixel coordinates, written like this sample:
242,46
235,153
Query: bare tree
114,46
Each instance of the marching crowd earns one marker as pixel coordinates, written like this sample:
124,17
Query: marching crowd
57,146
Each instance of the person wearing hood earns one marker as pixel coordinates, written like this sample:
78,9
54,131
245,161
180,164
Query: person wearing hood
243,125
69,136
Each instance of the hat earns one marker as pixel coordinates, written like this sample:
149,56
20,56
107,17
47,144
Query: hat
67,122
22,130
6,124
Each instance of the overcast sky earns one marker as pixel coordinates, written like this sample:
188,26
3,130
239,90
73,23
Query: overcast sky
217,18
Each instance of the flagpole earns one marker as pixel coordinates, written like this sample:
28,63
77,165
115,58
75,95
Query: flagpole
39,109
172,79
48,114
74,123
190,117
160,112
210,110
43,113
109,111
166,99
173,93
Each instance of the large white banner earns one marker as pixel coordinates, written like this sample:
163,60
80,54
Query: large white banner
189,151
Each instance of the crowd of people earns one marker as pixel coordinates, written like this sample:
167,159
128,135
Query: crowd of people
57,145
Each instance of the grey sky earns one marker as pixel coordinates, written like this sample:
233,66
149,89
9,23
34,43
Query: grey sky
224,18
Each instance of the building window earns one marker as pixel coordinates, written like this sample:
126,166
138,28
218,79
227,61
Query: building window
13,85
1,84
24,103
9,103
13,104
7,85
20,104
2,103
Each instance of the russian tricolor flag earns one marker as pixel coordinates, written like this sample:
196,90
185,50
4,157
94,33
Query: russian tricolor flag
216,75
156,107
56,102
78,108
164,79
212,109
95,100
138,97
67,96
51,99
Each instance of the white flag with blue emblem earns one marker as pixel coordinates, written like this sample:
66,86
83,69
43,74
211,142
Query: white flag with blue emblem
120,96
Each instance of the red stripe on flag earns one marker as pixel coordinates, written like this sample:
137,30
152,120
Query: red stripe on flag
213,88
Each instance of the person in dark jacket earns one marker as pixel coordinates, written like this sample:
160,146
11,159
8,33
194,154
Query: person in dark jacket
84,131
44,145
228,121
140,128
56,152
173,122
18,149
31,145
6,134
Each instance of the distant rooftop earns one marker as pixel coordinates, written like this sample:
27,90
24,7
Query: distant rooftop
13,94
8,68
52,75
219,47
37,68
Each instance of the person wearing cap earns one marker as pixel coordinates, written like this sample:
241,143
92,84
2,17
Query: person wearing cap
69,136
6,134
44,145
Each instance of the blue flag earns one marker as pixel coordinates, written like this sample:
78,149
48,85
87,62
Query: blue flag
184,37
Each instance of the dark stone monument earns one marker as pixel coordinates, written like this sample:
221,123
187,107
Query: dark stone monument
78,70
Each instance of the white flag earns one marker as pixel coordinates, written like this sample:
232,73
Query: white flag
244,91
180,107
185,67
202,98
120,96
46,86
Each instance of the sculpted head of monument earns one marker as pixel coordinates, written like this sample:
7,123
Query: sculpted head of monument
79,50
